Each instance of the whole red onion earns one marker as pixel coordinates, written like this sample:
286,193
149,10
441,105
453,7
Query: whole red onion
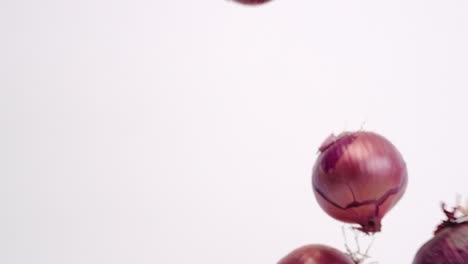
449,244
316,254
252,2
358,177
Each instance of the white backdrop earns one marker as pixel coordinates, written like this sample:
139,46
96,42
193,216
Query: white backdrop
154,131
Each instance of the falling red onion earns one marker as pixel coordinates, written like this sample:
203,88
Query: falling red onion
358,177
449,244
316,254
252,2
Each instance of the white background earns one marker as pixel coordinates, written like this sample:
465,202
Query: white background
154,131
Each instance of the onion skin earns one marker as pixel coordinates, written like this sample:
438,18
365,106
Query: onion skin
358,177
448,246
316,254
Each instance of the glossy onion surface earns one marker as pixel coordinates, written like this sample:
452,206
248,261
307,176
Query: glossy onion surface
358,177
449,246
316,254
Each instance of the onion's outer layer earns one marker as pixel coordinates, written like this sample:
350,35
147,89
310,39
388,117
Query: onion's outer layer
448,246
358,177
316,254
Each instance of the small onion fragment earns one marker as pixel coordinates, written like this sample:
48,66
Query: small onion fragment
358,177
316,254
252,2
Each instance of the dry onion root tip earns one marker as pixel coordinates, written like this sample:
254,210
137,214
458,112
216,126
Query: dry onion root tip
357,255
452,218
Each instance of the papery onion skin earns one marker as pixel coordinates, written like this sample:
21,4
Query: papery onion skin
358,177
449,246
316,254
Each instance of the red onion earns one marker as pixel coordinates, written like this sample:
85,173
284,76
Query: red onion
358,177
252,2
316,254
449,244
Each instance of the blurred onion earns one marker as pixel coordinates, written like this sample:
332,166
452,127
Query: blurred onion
449,244
316,254
252,2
